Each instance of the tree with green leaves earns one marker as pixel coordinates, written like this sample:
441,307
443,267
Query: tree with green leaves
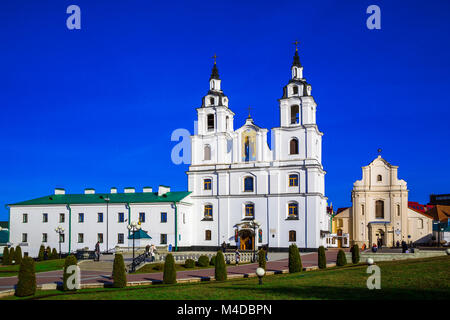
26,286
341,259
119,274
5,258
12,255
355,254
70,260
220,270
54,254
41,253
322,258
212,262
170,274
295,261
262,258
18,256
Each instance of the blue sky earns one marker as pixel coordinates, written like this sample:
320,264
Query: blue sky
96,107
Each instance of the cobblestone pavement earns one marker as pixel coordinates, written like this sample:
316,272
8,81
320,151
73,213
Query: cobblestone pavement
93,276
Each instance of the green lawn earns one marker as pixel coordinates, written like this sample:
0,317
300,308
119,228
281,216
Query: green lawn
41,266
407,279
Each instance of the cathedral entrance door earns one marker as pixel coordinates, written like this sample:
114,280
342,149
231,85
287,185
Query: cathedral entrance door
247,240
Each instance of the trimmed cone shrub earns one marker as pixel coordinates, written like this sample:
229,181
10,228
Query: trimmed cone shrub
203,261
262,258
295,262
12,255
119,274
5,259
49,253
220,270
322,258
189,263
70,260
26,286
341,259
213,261
170,274
18,255
41,253
355,254
54,254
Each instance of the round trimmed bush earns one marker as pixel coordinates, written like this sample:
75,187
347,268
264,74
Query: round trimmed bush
220,270
18,255
355,254
70,260
322,258
41,253
295,261
341,259
189,263
213,261
203,261
119,274
26,286
5,258
262,259
170,274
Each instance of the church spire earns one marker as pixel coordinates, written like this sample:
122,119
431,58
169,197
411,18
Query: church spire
215,71
296,62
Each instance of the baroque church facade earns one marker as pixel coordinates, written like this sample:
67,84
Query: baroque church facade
247,193
240,191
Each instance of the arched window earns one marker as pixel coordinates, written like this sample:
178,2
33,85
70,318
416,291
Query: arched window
362,209
226,122
294,115
249,210
208,211
293,180
293,146
379,209
293,210
210,122
207,235
379,178
398,210
207,184
211,100
207,153
295,90
248,184
292,236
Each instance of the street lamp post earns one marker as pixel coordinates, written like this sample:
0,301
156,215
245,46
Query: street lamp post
133,227
107,226
60,231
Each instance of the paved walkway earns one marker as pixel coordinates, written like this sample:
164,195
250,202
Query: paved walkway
93,276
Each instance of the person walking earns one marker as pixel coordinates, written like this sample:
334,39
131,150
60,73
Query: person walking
237,256
266,249
152,253
224,247
97,251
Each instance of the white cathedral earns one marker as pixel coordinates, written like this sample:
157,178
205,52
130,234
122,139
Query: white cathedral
240,191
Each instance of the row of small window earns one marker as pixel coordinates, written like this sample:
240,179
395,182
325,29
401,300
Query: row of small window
120,238
292,235
249,210
293,149
120,217
249,183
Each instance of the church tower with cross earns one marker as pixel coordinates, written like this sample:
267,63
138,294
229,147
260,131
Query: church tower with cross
246,194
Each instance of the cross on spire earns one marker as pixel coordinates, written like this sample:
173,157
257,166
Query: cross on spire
249,112
214,57
379,151
296,43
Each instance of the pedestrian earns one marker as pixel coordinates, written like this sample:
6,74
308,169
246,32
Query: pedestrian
404,246
397,244
97,251
380,243
152,253
266,249
224,247
237,256
374,248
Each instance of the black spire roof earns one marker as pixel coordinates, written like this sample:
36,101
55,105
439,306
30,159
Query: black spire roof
214,73
296,62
